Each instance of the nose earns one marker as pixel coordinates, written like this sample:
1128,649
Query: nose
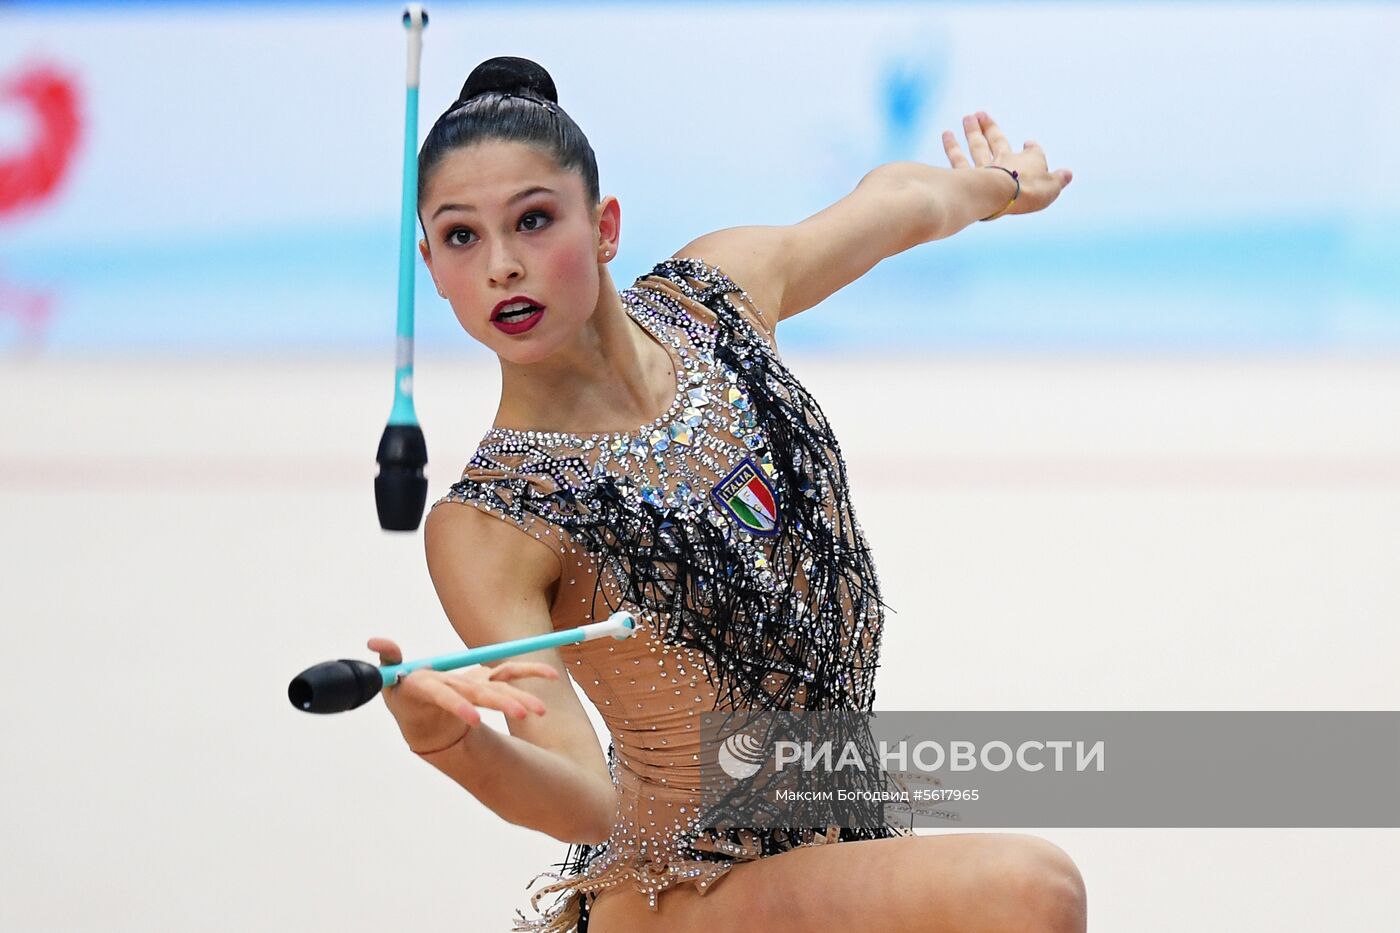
503,267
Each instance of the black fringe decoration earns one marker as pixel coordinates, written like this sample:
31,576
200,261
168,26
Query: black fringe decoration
772,639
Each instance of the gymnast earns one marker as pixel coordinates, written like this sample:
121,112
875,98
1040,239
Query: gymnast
652,452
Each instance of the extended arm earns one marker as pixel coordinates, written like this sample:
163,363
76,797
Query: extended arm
896,206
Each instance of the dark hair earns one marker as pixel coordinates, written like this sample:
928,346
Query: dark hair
511,99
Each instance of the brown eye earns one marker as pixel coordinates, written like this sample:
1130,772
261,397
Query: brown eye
540,214
451,237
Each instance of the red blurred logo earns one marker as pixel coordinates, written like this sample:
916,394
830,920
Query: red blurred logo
32,173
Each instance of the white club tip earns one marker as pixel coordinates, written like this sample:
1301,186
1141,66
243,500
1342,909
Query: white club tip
626,625
415,17
619,625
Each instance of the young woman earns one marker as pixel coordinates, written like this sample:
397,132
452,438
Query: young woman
651,451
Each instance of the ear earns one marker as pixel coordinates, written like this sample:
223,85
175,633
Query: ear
609,214
428,261
427,258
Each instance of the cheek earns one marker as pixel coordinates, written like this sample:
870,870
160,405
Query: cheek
477,329
572,265
574,280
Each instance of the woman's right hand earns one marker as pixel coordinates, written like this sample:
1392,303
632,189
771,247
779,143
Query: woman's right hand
432,707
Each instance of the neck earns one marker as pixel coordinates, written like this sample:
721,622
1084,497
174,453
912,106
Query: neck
611,377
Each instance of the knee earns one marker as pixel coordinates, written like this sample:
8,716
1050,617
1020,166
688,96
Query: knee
1047,890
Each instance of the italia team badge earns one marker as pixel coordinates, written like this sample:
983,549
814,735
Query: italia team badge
746,496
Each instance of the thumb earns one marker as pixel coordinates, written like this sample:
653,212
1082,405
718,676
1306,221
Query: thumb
1065,176
388,652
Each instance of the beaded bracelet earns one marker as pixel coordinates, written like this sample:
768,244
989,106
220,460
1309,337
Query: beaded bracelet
1017,177
445,747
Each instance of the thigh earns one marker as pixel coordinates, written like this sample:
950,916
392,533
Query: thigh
949,883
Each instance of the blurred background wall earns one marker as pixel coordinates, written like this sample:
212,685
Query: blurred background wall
1137,451
223,176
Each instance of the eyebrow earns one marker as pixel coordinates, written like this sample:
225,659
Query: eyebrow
537,189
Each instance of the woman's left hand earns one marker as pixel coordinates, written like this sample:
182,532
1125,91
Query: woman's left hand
988,146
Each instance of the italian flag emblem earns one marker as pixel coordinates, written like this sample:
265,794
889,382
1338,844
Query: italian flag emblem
749,500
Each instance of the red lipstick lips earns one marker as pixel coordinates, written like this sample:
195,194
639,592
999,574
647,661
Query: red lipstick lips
517,314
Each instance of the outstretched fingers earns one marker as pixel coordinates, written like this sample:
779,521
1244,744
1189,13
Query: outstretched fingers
509,699
465,693
440,690
955,154
985,141
993,136
466,696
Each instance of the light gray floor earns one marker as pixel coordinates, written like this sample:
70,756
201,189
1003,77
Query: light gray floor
179,539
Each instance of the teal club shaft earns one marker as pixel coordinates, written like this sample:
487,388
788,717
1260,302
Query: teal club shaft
338,686
401,488
415,19
618,625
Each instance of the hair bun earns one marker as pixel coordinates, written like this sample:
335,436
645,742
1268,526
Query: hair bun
508,74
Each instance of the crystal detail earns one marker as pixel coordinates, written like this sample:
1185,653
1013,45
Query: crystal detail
656,493
680,496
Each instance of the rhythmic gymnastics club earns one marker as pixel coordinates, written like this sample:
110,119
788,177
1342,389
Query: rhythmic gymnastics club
337,686
401,489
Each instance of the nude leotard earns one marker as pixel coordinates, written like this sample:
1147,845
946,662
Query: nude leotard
725,527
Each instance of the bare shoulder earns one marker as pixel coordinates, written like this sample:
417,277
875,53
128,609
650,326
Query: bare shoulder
750,257
495,581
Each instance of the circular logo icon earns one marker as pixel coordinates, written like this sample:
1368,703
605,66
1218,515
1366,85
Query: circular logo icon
741,756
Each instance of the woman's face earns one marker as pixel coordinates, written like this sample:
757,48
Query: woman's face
504,222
